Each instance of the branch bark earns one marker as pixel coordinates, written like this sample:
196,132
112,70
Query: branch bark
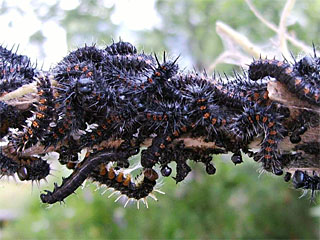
23,97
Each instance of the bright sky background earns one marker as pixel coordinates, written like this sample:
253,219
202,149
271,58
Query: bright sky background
16,28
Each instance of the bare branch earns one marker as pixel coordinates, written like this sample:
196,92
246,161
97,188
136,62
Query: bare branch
239,39
304,47
282,28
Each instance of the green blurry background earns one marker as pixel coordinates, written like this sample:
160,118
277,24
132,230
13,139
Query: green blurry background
234,203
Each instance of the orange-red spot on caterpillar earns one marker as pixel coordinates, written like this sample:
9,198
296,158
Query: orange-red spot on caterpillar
201,100
89,74
119,178
127,181
214,121
206,115
102,170
267,156
42,100
271,141
111,174
175,133
35,124
264,119
268,149
273,132
42,108
30,131
39,115
203,108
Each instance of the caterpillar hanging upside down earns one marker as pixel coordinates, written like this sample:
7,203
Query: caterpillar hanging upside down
114,101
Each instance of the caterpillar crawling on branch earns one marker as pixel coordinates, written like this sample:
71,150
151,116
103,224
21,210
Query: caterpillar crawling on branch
132,100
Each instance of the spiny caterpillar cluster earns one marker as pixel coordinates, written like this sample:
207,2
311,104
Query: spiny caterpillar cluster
129,97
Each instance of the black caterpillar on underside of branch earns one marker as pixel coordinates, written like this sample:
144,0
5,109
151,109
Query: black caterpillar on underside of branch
129,96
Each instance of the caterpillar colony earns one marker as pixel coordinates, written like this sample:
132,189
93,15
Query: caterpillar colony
132,99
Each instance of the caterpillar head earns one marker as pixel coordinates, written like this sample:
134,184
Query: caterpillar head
308,66
86,93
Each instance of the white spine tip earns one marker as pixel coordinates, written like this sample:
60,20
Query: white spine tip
118,198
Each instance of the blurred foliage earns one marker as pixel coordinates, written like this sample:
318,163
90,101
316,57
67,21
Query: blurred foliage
189,26
235,203
88,23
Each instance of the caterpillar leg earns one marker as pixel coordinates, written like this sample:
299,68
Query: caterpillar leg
302,180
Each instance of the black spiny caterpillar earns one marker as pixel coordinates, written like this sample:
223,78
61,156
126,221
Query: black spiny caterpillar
129,97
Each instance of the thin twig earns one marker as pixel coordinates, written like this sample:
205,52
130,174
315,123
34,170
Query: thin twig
239,39
283,28
304,47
